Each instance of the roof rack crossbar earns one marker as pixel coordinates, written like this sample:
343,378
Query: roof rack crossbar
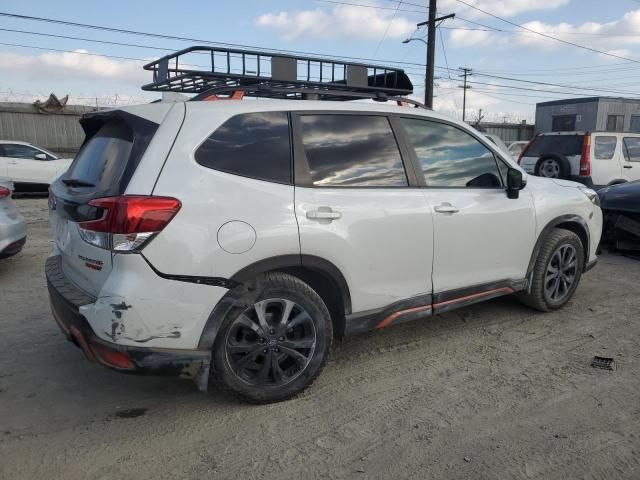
182,72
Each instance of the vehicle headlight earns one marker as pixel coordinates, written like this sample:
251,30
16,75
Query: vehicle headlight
591,195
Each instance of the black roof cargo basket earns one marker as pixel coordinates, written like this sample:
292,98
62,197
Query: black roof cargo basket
207,71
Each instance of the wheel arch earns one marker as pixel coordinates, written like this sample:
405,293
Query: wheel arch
320,274
573,223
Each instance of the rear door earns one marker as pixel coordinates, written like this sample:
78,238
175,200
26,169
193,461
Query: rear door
114,144
3,163
482,238
569,145
631,157
355,208
607,158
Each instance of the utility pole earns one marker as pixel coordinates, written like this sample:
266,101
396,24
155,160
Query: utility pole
465,87
431,50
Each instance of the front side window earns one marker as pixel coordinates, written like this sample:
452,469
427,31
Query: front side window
450,157
14,150
254,145
351,151
605,148
632,149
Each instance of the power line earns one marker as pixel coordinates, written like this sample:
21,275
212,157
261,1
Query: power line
378,7
384,35
535,90
548,36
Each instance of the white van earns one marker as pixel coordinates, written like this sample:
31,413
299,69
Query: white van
594,159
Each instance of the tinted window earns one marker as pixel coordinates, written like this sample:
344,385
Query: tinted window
450,157
568,145
563,123
252,145
632,149
102,159
604,148
615,123
14,150
352,151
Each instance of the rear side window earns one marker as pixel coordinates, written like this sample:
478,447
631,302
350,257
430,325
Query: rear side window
103,158
605,147
568,145
632,149
254,145
352,151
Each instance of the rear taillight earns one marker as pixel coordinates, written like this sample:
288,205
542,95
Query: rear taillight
585,158
128,222
4,192
524,150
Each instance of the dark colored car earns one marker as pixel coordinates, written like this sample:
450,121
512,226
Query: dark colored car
621,209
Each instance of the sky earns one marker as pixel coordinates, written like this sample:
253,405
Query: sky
511,67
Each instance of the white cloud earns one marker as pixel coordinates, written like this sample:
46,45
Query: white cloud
503,8
75,65
612,37
343,21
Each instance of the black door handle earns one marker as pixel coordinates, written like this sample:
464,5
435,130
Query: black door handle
627,166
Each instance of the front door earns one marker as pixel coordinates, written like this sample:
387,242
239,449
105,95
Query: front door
482,239
631,158
355,208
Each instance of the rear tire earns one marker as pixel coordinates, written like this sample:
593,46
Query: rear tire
274,342
556,272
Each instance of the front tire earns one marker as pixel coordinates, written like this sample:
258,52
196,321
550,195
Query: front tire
556,272
275,340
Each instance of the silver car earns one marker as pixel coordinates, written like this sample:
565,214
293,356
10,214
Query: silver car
13,228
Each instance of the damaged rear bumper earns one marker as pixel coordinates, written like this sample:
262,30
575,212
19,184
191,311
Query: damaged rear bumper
66,300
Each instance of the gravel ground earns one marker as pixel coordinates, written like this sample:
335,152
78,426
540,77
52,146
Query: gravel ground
494,391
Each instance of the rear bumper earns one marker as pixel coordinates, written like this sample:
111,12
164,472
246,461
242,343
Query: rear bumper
13,248
13,233
66,299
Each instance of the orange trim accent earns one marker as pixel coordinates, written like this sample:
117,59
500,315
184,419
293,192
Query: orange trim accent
83,343
475,295
387,321
237,95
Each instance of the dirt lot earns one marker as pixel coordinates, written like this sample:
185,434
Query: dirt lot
495,391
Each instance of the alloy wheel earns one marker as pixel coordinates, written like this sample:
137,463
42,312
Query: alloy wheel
561,273
271,343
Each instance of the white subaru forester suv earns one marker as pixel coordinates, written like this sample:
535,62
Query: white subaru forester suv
235,239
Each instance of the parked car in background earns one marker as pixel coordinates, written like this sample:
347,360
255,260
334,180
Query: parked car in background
13,228
621,210
594,159
29,167
515,148
497,141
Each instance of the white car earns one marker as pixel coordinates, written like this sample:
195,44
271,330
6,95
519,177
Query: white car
595,159
237,238
28,165
515,148
13,228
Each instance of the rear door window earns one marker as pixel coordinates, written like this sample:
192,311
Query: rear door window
102,160
568,145
254,145
604,147
15,150
632,149
352,151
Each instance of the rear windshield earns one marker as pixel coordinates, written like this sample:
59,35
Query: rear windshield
103,158
563,144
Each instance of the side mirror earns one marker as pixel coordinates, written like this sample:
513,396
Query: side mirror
515,183
40,156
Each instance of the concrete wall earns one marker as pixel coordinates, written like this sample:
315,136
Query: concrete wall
59,132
